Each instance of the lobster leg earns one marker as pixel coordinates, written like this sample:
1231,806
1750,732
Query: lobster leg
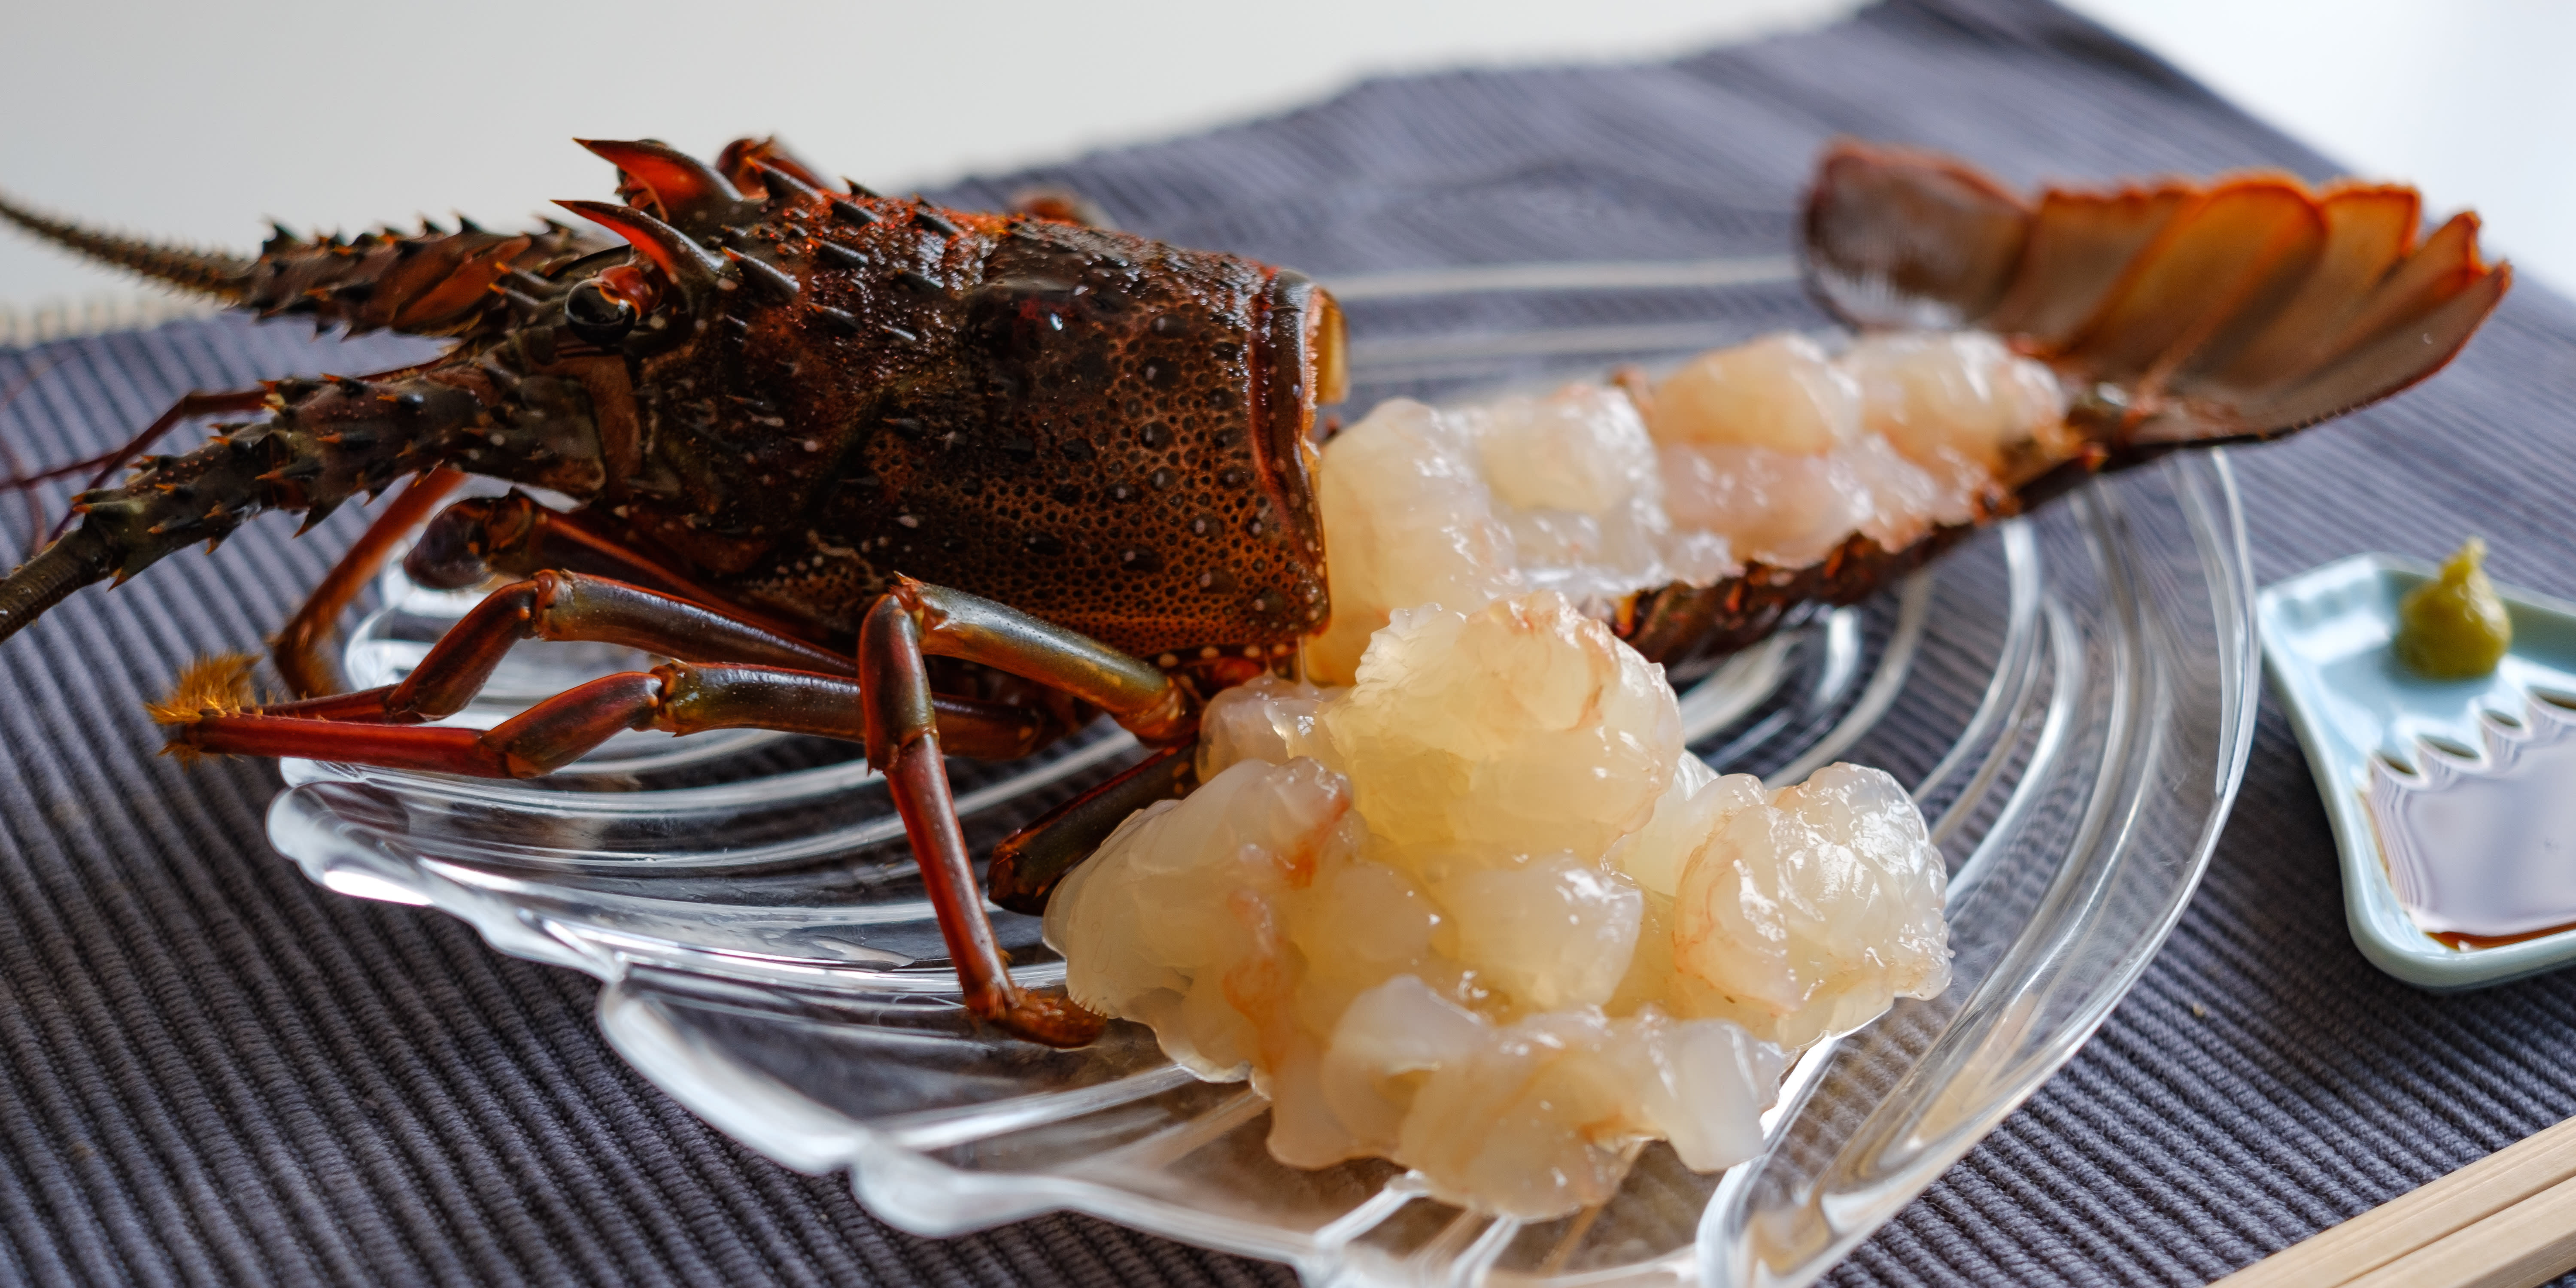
298,649
1029,863
190,406
678,698
903,742
187,408
563,606
474,538
952,623
905,726
899,717
539,740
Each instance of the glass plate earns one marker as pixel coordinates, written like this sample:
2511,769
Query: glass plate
2071,696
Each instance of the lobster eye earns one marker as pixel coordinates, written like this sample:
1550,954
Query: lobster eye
597,314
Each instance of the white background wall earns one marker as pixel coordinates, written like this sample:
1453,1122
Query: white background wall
195,120
2470,100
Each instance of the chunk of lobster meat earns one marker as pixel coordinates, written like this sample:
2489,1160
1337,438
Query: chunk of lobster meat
1810,913
1458,914
1573,475
1552,932
1939,397
1781,393
1772,452
1786,452
1225,855
1522,728
1790,509
1538,1116
1958,403
1413,522
2241,308
1461,506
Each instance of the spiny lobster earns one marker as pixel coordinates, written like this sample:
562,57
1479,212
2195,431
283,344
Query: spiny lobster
818,437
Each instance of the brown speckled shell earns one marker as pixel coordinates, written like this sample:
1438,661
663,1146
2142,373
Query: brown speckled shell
1086,425
1669,622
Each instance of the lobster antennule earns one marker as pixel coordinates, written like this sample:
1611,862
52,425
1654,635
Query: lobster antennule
208,272
2177,313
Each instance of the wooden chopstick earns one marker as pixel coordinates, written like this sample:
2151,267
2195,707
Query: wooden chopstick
2532,1242
2505,1221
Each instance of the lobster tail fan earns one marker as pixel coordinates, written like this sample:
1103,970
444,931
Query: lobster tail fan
2353,337
205,272
2175,314
1897,238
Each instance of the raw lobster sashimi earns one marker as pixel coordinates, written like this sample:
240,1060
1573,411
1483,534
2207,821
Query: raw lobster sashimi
1480,912
2005,349
773,404
1484,914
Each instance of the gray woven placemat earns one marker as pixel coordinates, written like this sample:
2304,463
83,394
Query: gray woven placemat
211,1071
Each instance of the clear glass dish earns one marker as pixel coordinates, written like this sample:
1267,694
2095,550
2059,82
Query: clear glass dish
2071,696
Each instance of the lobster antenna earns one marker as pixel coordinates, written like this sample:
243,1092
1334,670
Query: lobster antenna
74,561
194,270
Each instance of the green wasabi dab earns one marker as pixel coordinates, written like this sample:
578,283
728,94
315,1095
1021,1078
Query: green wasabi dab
2454,627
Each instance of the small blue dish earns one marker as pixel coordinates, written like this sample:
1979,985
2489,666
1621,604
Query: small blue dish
2358,710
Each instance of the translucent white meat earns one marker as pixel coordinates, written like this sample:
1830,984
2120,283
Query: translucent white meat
1482,913
1460,507
1403,494
1953,400
1780,392
1812,913
1524,728
1790,509
1773,451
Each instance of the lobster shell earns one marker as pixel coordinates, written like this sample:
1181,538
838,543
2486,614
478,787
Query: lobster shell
2241,309
2175,314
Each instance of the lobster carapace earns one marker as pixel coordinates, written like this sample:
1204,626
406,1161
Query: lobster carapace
814,436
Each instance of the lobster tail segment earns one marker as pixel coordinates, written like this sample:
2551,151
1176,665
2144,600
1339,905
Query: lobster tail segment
206,272
2174,313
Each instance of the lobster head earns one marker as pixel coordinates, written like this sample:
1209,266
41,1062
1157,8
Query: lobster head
830,390
803,393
